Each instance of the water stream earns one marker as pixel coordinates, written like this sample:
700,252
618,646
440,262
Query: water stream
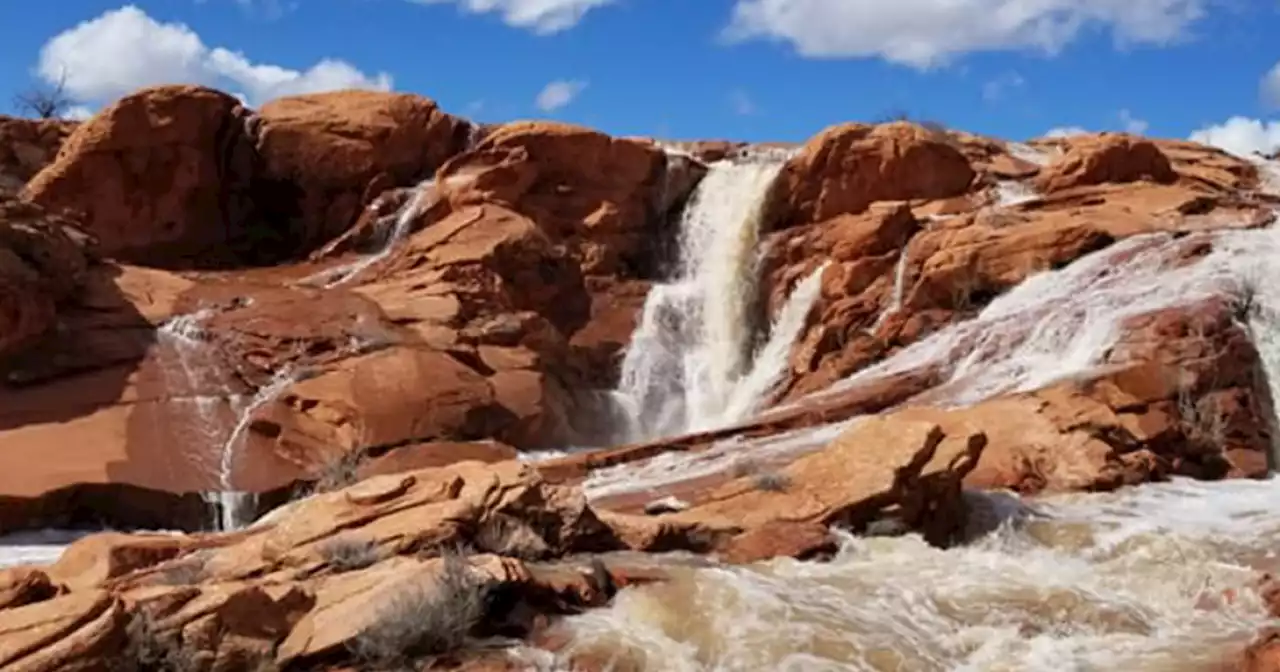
691,363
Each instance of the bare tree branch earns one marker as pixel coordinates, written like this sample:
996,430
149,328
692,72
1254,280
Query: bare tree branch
44,102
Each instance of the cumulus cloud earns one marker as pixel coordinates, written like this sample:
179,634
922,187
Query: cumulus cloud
559,93
1132,124
541,16
1065,132
1241,136
124,49
928,33
1270,87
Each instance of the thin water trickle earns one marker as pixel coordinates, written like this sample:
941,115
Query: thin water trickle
216,443
336,277
236,508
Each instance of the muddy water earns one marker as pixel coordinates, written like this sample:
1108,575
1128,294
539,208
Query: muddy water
1132,581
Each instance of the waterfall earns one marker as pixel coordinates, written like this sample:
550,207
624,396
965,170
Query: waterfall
898,291
689,365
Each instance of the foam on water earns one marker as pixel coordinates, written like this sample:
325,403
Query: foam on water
1131,580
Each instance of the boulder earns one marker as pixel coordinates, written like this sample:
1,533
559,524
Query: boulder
846,168
163,179
326,156
1107,158
595,194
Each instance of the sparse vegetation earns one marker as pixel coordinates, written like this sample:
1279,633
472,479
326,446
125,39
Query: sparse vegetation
339,473
934,127
348,552
151,649
772,481
186,572
44,102
509,536
745,467
1203,419
425,619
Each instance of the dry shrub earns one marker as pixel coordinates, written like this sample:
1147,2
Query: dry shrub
425,619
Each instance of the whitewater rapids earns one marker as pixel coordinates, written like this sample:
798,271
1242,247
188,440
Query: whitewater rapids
1136,580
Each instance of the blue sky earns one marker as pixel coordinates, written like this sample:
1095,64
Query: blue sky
741,69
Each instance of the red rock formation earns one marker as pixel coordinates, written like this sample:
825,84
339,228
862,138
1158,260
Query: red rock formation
1107,158
42,263
846,168
162,178
325,156
27,146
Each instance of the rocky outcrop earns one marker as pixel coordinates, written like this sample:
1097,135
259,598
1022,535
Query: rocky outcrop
896,275
43,263
326,156
846,168
27,146
1107,158
162,178
419,563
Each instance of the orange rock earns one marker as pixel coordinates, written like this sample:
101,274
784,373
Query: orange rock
595,193
845,168
1106,158
327,155
21,586
162,176
1263,654
71,632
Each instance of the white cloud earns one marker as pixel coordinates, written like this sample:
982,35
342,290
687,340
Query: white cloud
1241,136
541,16
125,49
1270,87
1132,124
927,33
559,93
742,103
78,112
995,89
1066,131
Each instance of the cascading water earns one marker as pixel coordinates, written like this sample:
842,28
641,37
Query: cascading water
1133,580
690,365
400,228
1155,578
